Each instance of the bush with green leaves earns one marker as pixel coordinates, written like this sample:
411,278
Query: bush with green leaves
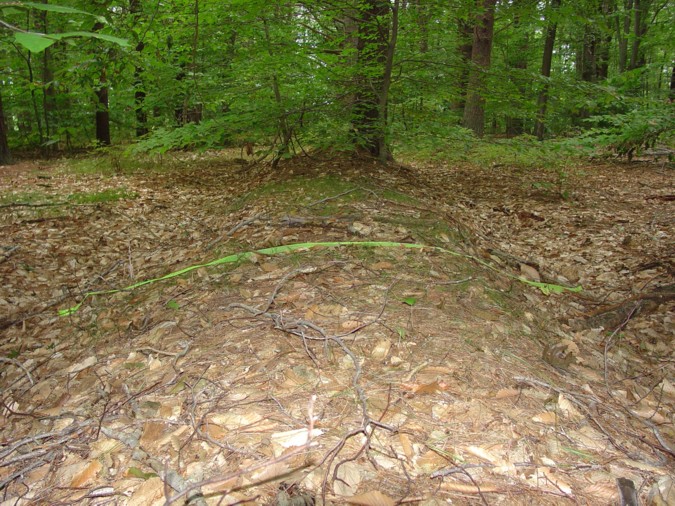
631,133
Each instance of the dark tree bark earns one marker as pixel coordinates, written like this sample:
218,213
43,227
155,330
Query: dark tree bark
640,12
623,33
586,68
371,45
5,155
547,60
671,95
474,110
102,112
423,11
465,36
607,8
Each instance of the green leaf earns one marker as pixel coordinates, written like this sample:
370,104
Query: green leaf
411,301
116,40
137,473
549,288
34,42
38,42
172,304
59,8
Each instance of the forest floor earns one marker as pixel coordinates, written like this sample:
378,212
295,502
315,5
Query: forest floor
469,371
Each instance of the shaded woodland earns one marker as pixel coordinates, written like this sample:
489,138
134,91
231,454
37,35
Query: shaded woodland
376,76
373,252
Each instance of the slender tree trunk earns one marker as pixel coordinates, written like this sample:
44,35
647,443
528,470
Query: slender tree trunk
517,59
5,155
465,36
671,95
423,11
372,46
285,132
547,60
640,11
48,88
34,98
607,8
623,33
474,111
384,153
102,112
586,61
139,91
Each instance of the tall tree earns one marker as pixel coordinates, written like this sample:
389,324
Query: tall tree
474,110
102,111
623,22
547,59
465,48
640,25
5,155
372,43
139,87
516,60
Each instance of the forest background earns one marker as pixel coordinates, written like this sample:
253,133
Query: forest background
384,77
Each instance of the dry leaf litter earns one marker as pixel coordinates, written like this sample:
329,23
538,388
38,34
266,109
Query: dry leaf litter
333,375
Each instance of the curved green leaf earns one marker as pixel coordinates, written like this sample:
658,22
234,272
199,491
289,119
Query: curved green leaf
34,42
58,8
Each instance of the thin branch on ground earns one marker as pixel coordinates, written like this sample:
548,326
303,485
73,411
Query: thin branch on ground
20,366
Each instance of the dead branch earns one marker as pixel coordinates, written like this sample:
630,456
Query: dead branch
20,366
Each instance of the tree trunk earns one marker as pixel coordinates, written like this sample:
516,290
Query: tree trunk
284,130
640,10
102,113
586,58
465,36
371,45
423,12
384,153
622,34
5,155
607,8
48,88
474,111
547,60
517,59
139,91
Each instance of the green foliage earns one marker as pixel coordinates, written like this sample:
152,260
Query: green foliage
277,73
628,134
206,135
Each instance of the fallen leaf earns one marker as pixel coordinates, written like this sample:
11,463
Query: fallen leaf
81,366
381,266
349,477
350,325
529,272
150,492
297,437
87,474
373,498
547,417
507,392
482,453
381,349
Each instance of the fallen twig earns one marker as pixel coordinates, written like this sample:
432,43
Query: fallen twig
20,366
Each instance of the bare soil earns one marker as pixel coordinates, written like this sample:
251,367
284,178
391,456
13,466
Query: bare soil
467,371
